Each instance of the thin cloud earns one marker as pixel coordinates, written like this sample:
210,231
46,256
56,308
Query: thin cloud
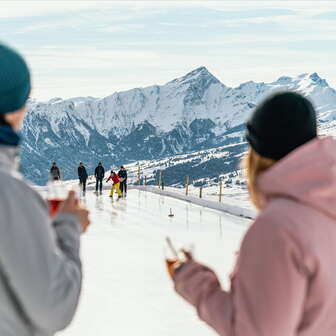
310,6
95,48
116,28
21,9
326,15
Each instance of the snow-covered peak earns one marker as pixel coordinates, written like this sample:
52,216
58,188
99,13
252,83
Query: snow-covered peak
249,86
284,80
318,80
197,75
302,80
310,79
315,77
312,86
303,75
55,100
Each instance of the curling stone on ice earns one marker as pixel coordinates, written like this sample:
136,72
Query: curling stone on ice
171,213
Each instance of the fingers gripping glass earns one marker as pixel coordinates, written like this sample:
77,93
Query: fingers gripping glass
175,257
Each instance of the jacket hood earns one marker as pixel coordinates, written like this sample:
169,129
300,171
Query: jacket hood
308,175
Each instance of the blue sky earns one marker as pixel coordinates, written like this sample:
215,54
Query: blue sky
93,48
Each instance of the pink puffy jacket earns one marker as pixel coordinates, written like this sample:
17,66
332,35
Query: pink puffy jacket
284,283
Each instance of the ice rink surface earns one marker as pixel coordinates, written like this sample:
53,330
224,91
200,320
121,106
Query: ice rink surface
126,290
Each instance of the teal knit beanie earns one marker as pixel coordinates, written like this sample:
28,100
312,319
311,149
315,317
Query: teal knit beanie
15,82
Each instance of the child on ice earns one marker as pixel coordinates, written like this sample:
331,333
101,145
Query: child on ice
116,184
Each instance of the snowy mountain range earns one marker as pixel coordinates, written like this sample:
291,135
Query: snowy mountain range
192,113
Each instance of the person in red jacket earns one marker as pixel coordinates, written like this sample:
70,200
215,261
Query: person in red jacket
116,183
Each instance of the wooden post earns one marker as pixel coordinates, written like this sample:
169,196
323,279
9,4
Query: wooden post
220,190
187,185
139,174
160,179
200,192
145,180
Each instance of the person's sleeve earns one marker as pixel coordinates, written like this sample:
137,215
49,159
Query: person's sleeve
103,172
41,263
268,288
79,172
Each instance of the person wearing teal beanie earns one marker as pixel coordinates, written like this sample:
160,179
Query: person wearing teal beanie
15,87
15,84
40,266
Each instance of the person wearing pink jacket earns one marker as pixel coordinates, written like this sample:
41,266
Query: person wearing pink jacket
284,282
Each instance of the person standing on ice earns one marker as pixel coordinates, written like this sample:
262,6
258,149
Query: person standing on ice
123,180
284,280
82,175
116,184
55,172
40,267
99,175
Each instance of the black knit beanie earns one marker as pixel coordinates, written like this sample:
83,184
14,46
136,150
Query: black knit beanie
281,123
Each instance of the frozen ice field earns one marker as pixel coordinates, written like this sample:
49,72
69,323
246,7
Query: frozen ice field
126,288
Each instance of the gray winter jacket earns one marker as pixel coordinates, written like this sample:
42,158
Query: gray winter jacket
40,268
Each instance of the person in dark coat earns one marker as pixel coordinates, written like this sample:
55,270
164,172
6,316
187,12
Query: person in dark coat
82,175
99,175
55,172
123,180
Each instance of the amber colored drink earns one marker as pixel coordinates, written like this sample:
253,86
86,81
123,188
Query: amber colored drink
171,265
53,206
171,262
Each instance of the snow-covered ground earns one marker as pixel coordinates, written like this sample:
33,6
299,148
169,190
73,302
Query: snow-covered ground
126,289
233,195
227,205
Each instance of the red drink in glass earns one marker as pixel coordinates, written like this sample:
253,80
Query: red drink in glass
53,206
57,193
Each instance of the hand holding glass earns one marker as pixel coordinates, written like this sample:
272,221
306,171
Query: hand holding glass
175,258
58,191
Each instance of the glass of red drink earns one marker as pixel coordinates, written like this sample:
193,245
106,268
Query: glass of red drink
57,193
